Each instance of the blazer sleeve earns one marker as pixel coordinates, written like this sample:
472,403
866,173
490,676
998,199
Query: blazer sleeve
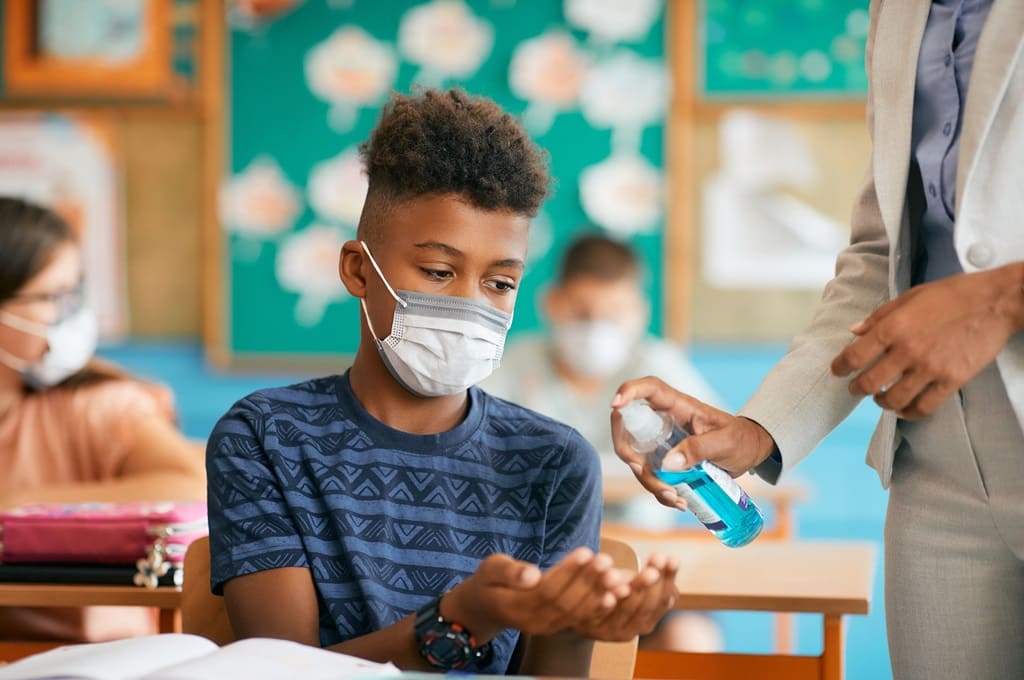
800,402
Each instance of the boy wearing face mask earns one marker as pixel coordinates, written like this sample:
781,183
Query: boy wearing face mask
396,512
597,316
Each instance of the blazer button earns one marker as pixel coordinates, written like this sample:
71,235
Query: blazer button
980,255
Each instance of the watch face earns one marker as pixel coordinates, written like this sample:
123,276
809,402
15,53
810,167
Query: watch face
447,649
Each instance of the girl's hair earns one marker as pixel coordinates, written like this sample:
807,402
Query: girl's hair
29,234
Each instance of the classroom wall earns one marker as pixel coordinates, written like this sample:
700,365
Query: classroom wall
163,224
156,144
159,167
288,131
842,151
162,211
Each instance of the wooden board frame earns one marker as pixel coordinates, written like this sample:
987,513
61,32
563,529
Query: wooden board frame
29,74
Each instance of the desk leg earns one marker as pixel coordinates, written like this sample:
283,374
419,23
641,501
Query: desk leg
832,654
784,638
785,624
170,620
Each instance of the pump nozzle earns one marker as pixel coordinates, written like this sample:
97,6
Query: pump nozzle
641,421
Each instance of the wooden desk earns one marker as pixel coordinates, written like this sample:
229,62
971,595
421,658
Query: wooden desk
166,598
832,579
782,497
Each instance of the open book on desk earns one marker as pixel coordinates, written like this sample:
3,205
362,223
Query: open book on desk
190,657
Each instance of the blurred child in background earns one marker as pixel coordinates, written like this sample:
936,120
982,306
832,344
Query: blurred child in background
597,315
71,429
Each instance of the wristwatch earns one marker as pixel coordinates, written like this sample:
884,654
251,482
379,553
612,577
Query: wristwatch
445,644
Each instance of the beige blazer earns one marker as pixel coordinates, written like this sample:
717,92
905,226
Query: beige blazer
800,402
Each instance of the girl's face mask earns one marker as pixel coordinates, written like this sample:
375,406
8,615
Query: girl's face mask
439,344
71,340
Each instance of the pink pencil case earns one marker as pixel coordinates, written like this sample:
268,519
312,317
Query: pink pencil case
154,536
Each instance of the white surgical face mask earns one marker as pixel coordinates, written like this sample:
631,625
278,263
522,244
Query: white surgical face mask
72,342
439,344
594,349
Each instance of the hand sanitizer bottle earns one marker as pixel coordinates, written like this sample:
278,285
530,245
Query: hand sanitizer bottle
710,493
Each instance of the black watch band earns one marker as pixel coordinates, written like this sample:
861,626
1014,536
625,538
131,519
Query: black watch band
447,645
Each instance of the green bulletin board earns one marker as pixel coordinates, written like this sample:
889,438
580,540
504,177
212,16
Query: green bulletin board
279,130
772,49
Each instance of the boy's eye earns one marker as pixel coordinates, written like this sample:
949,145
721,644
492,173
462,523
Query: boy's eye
437,274
502,286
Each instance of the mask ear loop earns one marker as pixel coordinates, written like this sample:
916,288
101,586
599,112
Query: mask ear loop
362,300
24,325
14,363
376,268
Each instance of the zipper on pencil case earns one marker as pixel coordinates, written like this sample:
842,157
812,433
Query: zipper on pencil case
166,530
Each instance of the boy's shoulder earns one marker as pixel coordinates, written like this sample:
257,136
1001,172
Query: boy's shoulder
312,392
301,398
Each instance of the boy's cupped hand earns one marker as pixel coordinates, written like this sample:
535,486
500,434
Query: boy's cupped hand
652,593
583,592
508,593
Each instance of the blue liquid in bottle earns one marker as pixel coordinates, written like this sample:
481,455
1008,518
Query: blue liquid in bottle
710,493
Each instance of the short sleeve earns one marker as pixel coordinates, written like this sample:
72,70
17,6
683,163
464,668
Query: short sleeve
251,527
574,512
104,420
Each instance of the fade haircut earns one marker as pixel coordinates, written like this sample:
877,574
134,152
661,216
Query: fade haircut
437,142
600,257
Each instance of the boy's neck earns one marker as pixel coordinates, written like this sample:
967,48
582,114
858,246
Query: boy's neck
387,401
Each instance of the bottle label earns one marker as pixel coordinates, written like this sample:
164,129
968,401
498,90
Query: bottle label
701,510
728,484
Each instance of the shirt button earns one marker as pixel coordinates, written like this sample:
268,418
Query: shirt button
949,59
932,190
946,129
980,255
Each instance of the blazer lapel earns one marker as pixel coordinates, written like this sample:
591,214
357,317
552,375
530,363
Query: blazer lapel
999,42
893,76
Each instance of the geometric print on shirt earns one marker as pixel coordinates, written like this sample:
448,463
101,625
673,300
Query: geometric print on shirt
303,476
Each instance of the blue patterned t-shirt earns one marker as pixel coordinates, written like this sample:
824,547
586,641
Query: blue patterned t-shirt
303,476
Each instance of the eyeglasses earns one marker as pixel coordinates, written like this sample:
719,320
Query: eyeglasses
67,300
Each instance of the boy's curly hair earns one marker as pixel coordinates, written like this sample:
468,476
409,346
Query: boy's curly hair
447,142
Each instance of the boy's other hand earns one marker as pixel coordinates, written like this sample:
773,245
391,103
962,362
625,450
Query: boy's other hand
506,593
652,594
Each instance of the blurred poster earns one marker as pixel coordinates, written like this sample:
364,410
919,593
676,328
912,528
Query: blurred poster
69,163
110,31
756,232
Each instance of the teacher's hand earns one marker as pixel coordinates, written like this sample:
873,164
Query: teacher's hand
733,443
916,351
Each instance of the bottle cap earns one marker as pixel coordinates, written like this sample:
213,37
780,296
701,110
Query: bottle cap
641,421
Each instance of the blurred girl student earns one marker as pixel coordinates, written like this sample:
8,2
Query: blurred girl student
72,429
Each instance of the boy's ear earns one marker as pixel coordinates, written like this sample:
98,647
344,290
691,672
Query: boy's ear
352,268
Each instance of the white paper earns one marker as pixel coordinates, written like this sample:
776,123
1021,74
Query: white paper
118,660
190,657
266,659
756,234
